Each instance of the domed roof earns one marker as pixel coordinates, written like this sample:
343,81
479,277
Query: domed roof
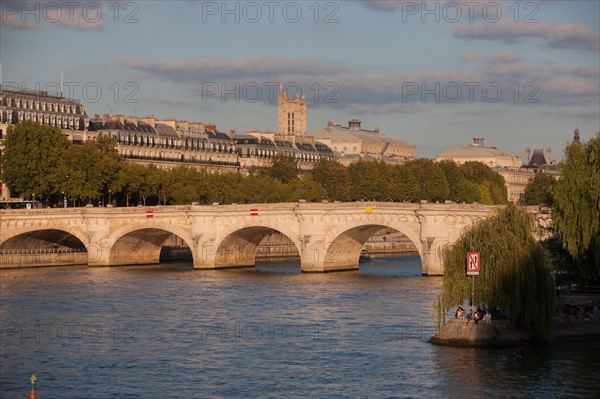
355,133
477,151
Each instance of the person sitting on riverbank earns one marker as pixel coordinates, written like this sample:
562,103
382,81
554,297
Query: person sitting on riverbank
487,319
477,316
470,315
459,313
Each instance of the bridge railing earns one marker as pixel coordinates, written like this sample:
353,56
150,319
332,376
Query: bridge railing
265,206
41,251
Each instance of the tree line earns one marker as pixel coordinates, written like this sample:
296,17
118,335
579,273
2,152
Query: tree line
38,160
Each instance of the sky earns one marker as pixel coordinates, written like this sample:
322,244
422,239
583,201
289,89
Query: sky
433,73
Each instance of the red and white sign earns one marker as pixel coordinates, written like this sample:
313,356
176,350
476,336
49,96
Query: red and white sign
473,263
149,214
253,212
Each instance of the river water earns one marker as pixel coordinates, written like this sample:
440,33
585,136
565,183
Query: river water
267,332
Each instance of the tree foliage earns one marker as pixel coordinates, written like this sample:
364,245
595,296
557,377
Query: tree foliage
493,183
431,178
514,275
459,188
576,204
33,159
538,190
284,168
334,178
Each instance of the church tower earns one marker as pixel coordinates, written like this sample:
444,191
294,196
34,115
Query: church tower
291,114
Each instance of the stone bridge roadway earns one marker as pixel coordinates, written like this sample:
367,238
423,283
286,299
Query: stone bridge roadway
328,236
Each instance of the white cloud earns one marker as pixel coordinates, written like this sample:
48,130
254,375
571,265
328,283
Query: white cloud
564,36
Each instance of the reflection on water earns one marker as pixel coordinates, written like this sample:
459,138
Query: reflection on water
267,332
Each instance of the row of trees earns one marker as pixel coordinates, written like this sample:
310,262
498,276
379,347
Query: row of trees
39,161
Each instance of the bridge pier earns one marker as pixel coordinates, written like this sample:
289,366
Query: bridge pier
233,253
434,236
319,257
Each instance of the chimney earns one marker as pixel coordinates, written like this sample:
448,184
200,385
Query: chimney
232,133
527,155
548,155
150,120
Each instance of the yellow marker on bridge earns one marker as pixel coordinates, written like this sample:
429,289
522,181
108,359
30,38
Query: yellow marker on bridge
368,209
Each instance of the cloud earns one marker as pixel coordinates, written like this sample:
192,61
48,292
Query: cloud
501,77
564,36
578,114
502,57
585,72
227,69
78,15
470,57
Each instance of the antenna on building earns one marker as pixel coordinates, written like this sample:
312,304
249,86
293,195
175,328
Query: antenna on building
61,83
0,76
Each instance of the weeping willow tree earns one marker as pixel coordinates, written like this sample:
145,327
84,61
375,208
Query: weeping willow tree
514,275
576,205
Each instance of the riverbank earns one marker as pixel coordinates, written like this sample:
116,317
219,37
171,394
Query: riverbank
502,333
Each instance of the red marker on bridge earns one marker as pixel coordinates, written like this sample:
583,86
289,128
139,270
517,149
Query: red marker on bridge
150,214
253,212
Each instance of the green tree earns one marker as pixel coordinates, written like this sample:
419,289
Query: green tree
85,178
334,178
459,188
306,189
182,185
514,273
576,204
33,159
538,190
370,180
284,168
479,173
406,184
432,181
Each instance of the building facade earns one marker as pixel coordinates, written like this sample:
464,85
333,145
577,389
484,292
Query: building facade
516,174
168,143
353,143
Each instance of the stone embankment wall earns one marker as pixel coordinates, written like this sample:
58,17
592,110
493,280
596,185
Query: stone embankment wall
502,333
37,258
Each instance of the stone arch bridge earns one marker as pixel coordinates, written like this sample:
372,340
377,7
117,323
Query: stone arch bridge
328,236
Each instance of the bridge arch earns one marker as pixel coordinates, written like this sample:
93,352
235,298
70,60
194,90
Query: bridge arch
238,247
140,245
343,244
44,246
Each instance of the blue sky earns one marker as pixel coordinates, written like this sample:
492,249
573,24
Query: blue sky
435,74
